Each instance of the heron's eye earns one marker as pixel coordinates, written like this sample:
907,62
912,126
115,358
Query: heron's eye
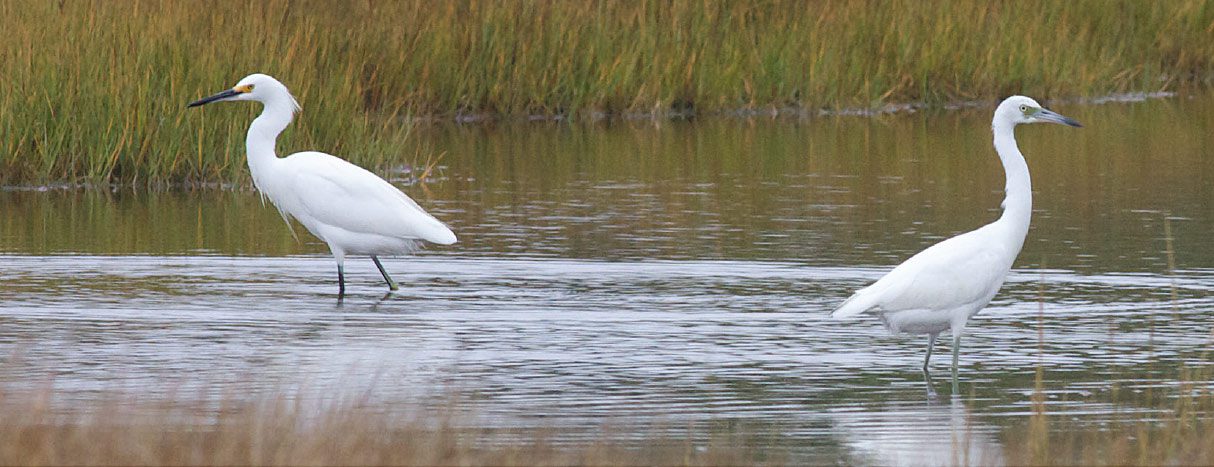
1023,108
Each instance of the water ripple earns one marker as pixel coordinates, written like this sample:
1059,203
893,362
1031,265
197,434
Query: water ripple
577,342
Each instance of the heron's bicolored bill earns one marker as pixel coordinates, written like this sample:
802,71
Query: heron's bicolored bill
1047,115
217,97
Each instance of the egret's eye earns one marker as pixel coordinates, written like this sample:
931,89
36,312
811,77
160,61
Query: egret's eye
1023,108
244,89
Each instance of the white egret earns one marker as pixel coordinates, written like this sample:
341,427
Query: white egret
941,287
349,208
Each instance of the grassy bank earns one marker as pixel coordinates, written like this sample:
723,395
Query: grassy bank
95,91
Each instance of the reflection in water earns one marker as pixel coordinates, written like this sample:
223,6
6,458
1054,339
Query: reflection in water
677,276
827,192
933,432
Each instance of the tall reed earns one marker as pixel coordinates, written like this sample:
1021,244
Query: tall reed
95,91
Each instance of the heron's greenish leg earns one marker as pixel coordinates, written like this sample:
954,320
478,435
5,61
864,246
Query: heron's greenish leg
956,349
391,283
931,342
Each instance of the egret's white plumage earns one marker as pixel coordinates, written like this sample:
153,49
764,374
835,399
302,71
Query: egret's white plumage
941,287
349,208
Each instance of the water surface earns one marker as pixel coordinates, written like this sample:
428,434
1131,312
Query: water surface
670,275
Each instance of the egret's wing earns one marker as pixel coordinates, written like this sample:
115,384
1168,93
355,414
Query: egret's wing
958,271
334,192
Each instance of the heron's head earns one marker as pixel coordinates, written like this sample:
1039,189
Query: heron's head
1019,109
255,87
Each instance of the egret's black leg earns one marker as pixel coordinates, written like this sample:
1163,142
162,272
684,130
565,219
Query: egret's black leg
341,282
391,283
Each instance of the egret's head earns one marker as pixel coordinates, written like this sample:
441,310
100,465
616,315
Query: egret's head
1019,109
255,87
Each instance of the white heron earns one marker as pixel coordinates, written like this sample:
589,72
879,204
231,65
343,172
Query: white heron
941,287
349,208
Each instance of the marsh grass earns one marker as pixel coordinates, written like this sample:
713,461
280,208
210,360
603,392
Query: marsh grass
287,429
1182,435
95,91
42,427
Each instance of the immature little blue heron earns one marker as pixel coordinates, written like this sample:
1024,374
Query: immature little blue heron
941,287
352,210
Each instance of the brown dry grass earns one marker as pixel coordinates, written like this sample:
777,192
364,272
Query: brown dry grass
1182,435
284,430
39,428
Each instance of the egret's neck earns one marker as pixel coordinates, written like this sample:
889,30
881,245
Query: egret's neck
264,130
1018,204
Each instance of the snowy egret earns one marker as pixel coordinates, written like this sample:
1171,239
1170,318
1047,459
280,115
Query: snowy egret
941,287
349,208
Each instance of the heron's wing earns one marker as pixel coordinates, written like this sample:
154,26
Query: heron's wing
956,272
337,193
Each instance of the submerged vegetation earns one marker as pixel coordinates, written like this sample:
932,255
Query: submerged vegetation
95,91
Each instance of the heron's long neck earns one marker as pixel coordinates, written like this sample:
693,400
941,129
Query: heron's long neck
1018,204
263,132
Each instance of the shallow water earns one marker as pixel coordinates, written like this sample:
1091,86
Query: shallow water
673,275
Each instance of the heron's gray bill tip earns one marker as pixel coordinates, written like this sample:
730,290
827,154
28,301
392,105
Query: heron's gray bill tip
1055,117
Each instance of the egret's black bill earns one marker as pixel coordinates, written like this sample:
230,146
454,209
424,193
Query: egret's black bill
208,100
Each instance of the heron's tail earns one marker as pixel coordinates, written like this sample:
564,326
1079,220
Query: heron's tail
860,302
439,234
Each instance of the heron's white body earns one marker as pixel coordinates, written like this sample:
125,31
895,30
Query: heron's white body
941,287
349,208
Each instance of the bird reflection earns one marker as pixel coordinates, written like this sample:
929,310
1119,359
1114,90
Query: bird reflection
935,432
